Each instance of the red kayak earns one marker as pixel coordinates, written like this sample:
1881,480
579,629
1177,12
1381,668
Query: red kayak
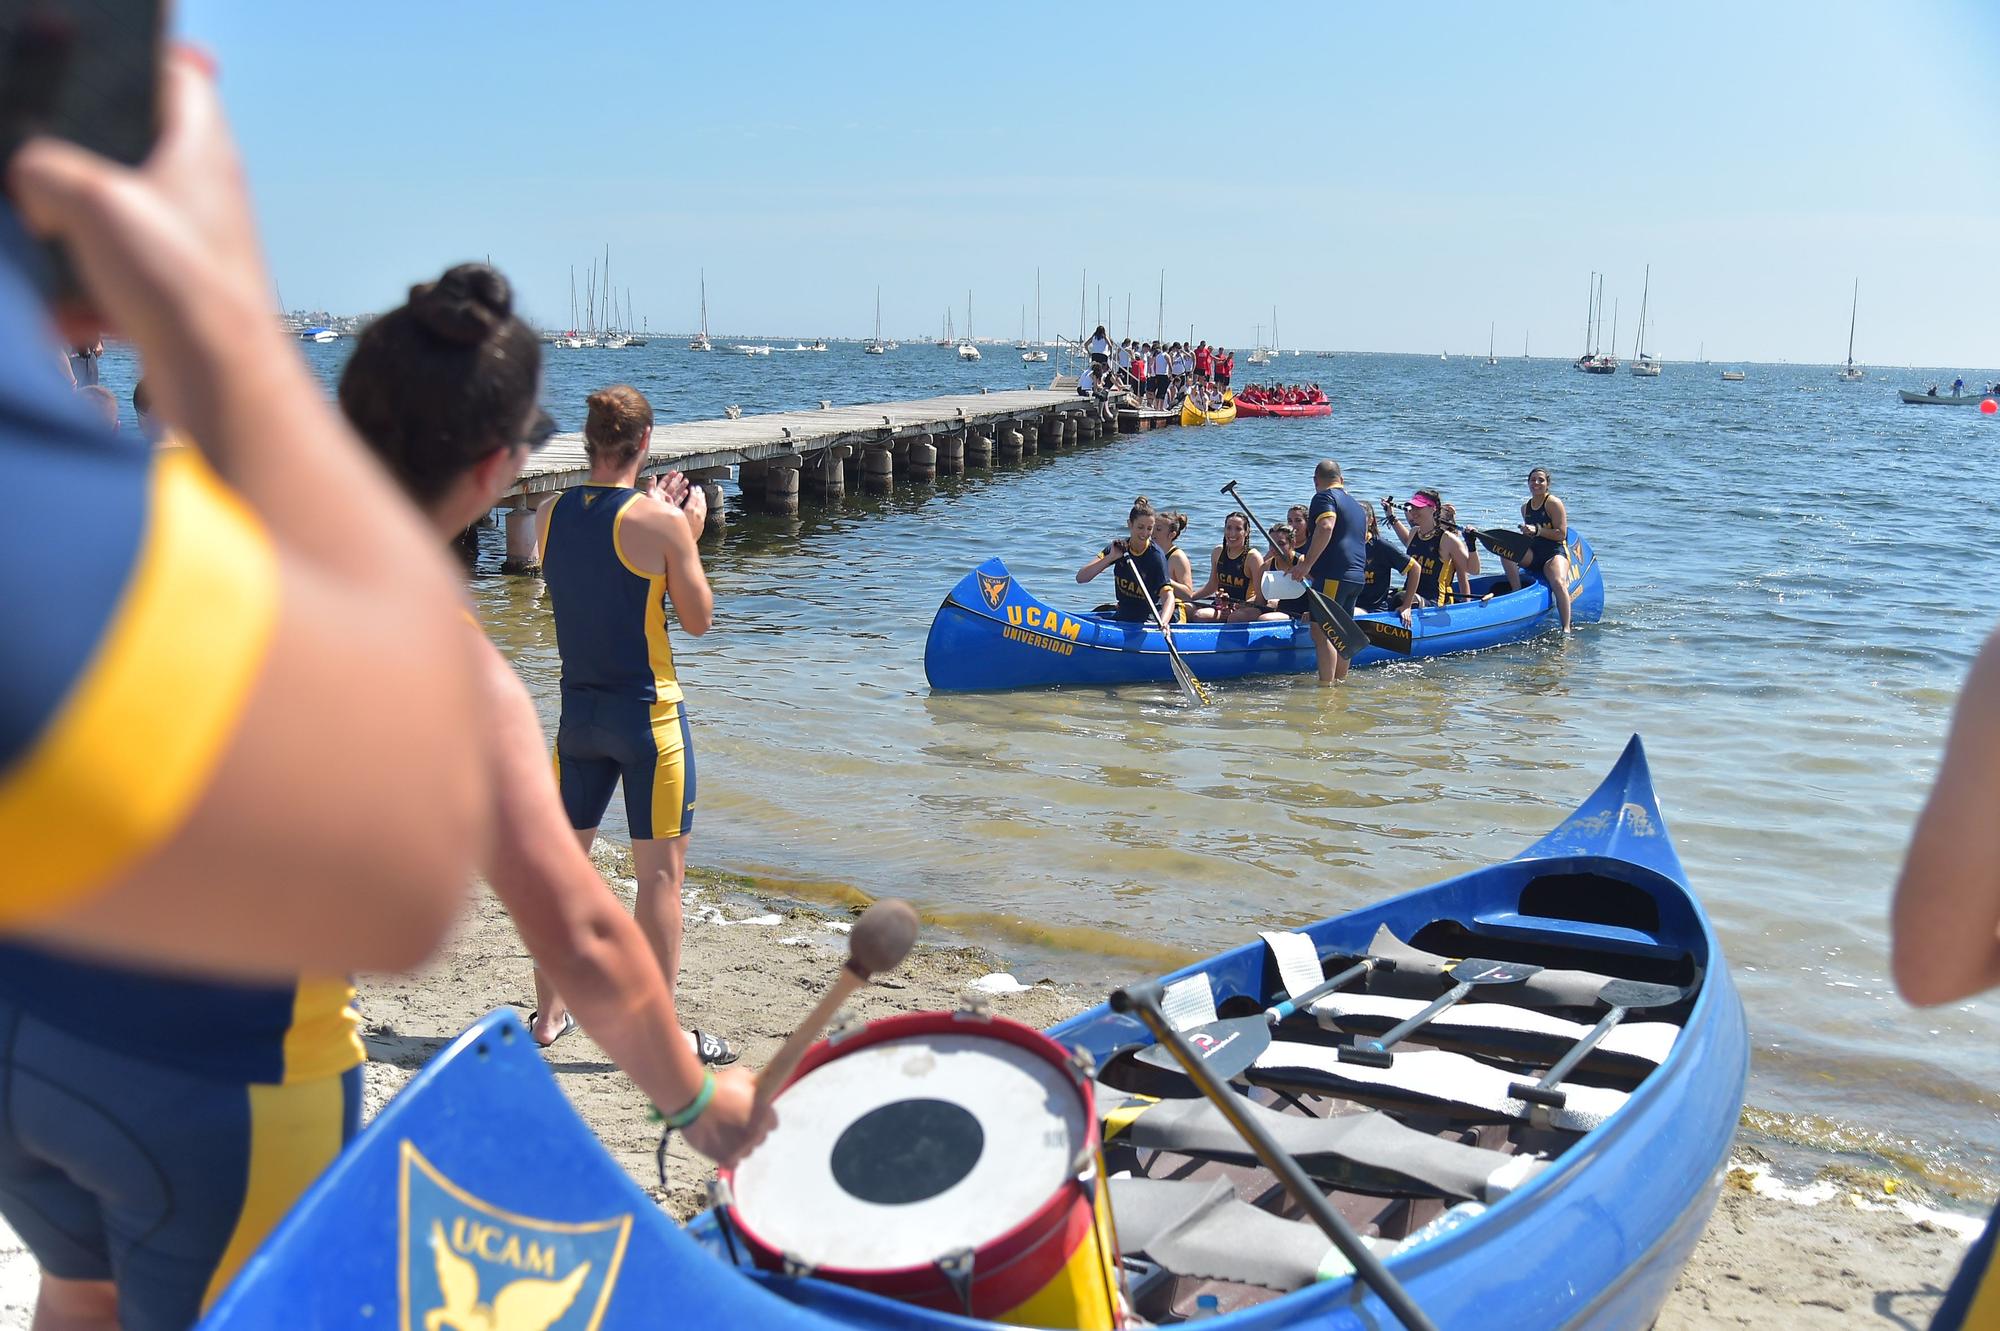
1283,409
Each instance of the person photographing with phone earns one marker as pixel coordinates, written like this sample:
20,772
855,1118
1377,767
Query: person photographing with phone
200,673
615,554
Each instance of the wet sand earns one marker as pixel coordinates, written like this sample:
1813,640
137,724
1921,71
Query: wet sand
752,969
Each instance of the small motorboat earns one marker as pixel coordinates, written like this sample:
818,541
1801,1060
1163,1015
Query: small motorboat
753,350
1521,1083
966,351
1732,376
1944,399
321,335
1222,415
991,633
1035,356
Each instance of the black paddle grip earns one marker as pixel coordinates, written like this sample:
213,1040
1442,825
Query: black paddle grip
1553,1097
1136,997
1367,1056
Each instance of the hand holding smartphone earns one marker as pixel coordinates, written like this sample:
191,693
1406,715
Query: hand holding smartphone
86,72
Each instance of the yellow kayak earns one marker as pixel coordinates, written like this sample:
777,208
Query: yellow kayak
1222,415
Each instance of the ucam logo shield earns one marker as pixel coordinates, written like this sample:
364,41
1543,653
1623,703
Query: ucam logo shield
467,1265
993,589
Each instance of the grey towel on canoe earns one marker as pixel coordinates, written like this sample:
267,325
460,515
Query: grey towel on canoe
1421,974
1202,1230
1368,1152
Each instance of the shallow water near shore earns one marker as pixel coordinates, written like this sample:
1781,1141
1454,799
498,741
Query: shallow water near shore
1785,642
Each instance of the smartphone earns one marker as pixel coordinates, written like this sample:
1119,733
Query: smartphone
83,70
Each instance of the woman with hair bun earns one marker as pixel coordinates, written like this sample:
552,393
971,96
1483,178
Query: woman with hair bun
444,390
614,555
1136,549
1545,518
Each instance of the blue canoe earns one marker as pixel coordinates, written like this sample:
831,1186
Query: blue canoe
479,1184
992,633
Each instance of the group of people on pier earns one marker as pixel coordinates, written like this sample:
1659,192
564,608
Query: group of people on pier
1329,550
1153,375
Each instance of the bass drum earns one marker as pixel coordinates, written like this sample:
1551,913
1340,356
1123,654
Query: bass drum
949,1160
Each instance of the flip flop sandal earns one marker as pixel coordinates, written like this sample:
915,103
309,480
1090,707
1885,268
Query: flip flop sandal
714,1051
568,1025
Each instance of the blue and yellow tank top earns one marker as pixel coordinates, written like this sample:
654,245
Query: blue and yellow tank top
138,596
266,1033
1136,598
1435,574
611,617
1230,577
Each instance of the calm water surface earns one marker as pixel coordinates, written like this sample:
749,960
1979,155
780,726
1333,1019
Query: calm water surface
1779,627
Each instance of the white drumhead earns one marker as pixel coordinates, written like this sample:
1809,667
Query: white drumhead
901,1152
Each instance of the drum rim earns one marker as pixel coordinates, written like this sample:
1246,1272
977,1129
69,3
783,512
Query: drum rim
1009,1245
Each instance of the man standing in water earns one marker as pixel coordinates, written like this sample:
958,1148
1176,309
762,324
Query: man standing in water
1336,561
613,555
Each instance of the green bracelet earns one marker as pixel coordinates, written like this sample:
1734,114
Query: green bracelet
687,1116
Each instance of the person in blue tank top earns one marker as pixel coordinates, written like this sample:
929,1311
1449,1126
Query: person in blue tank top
1944,922
1545,519
1335,560
1152,586
615,555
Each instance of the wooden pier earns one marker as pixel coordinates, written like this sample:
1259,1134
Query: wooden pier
775,457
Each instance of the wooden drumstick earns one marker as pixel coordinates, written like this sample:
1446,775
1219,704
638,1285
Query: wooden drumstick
879,941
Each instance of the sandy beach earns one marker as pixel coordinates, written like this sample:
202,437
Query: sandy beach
752,968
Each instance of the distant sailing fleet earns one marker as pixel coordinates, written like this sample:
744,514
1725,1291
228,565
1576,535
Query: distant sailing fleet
603,321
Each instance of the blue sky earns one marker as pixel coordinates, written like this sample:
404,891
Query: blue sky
1389,177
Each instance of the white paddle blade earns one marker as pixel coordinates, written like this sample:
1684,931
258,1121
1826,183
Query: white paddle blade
1282,587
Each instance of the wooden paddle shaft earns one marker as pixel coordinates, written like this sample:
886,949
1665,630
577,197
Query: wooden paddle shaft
879,941
772,1079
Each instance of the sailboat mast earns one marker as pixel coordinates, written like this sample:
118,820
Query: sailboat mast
1038,307
572,298
1851,311
1274,329
1639,342
1160,328
1614,326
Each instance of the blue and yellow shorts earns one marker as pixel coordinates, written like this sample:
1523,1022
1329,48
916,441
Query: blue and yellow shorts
118,1168
602,740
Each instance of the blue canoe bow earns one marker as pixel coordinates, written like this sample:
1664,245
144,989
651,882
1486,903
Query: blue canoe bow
992,633
480,1176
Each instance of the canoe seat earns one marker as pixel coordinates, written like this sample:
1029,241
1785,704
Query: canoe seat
1365,1152
1426,1079
1635,1047
1202,1229
1422,974
1570,933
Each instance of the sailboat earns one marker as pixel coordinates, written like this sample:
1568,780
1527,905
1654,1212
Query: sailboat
1035,355
614,337
1263,355
1593,360
570,340
874,346
1490,358
966,351
1524,346
629,339
1850,372
700,340
1643,365
945,338
1022,343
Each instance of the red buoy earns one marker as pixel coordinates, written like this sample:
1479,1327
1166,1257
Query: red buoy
1988,407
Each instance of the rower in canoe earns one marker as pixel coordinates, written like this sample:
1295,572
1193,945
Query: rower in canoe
1235,577
1136,551
1545,518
